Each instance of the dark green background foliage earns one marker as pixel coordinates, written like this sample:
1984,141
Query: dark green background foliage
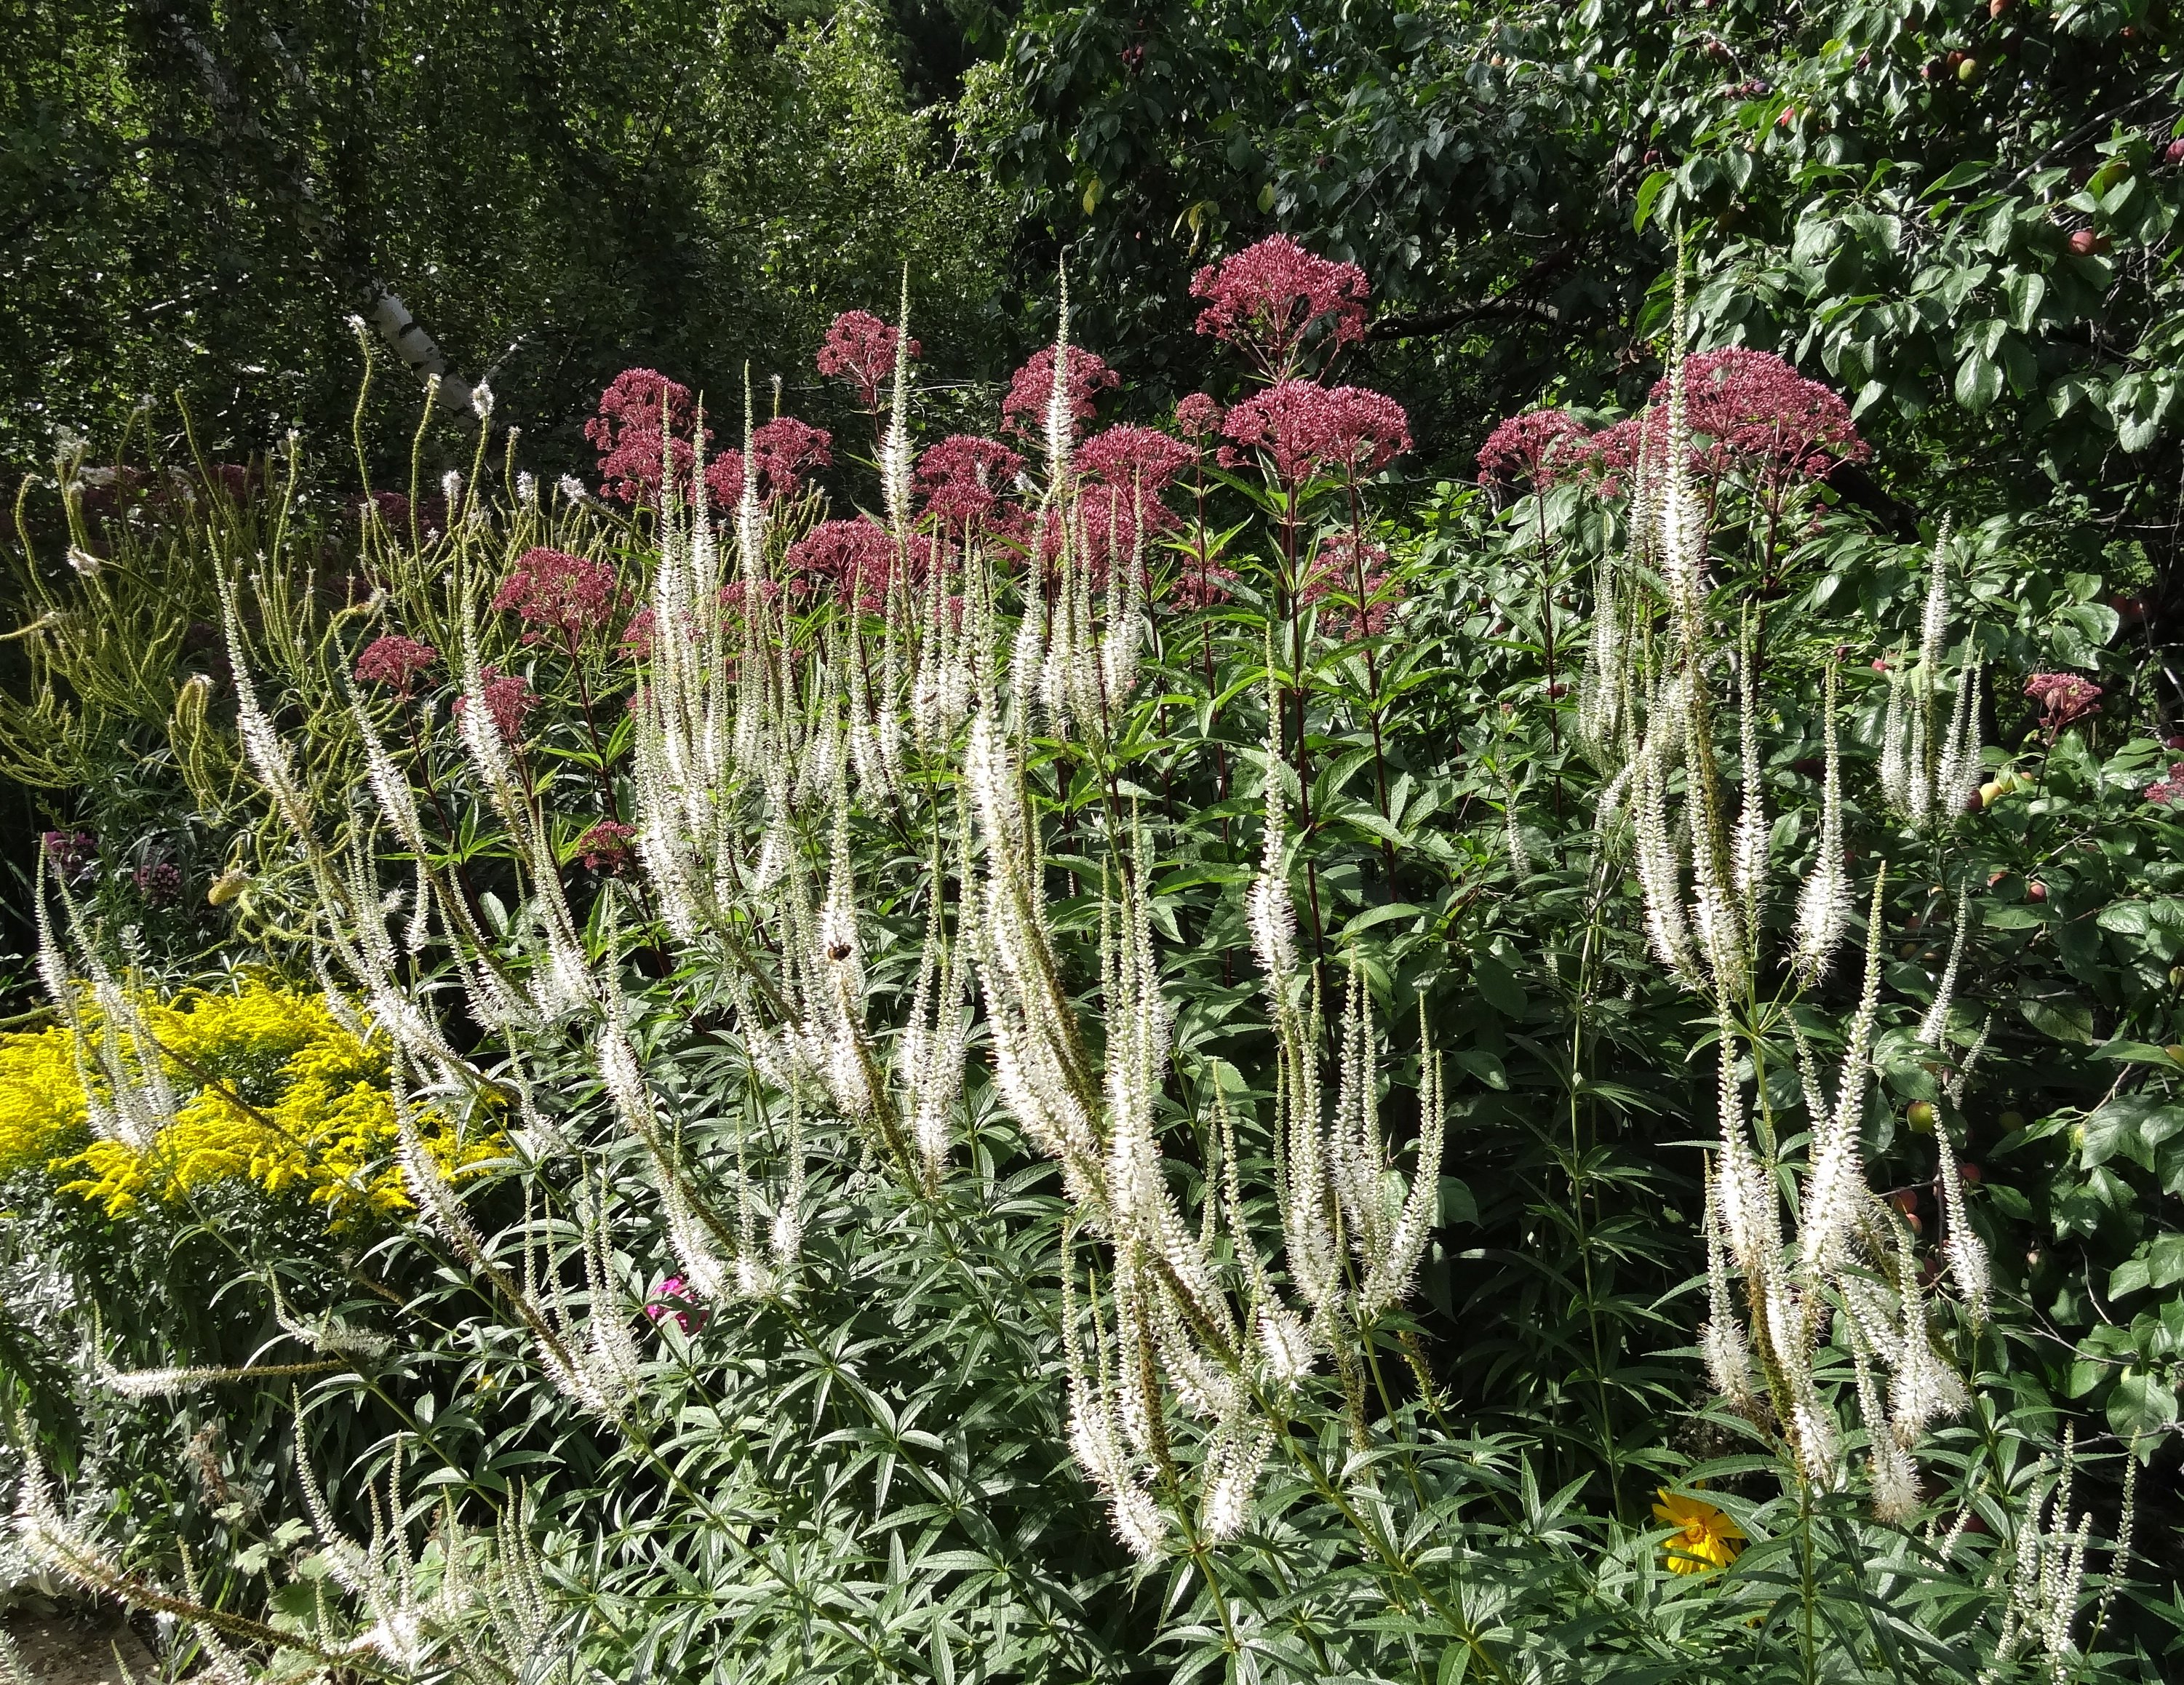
196,194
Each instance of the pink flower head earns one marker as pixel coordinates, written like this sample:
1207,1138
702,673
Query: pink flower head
1131,457
962,478
391,507
554,591
1197,417
636,639
724,481
1031,390
784,448
1762,416
509,700
853,558
1349,577
394,661
1301,427
159,882
1103,525
861,349
1265,300
673,1297
2169,791
1203,582
72,854
605,846
2065,698
1533,449
626,433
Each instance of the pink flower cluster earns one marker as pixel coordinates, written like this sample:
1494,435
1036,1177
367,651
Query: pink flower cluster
1761,414
2168,791
509,700
861,349
1301,428
394,661
1031,390
961,480
1198,416
1267,299
854,559
1350,576
553,591
1143,458
605,846
1749,411
673,1297
2064,700
1532,450
626,433
783,449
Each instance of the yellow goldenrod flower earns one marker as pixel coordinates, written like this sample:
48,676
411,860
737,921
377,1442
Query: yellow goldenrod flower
271,1090
1709,1539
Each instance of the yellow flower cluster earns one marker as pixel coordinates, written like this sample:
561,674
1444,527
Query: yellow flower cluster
270,1088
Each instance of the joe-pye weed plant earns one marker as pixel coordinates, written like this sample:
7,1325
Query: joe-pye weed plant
972,1127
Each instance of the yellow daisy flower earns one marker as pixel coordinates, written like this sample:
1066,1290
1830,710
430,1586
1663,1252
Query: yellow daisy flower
1708,1539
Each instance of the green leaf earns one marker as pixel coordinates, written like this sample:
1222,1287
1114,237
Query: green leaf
2140,1405
1979,381
1456,1203
1498,984
1483,1065
1649,191
2059,1020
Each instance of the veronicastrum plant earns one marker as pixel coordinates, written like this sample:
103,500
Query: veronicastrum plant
828,914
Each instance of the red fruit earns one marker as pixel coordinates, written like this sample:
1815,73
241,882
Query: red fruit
1787,115
1879,665
2172,743
2035,891
2085,244
2173,151
1995,8
1974,803
1558,690
1953,59
1968,1172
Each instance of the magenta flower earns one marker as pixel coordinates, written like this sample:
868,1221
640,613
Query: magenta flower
1126,458
1031,389
2167,792
1350,577
962,478
1104,524
1267,299
1762,416
509,700
784,448
1534,450
853,558
636,639
551,590
159,882
673,1297
2065,699
605,846
1204,581
1197,417
859,347
394,661
73,854
626,431
1301,427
